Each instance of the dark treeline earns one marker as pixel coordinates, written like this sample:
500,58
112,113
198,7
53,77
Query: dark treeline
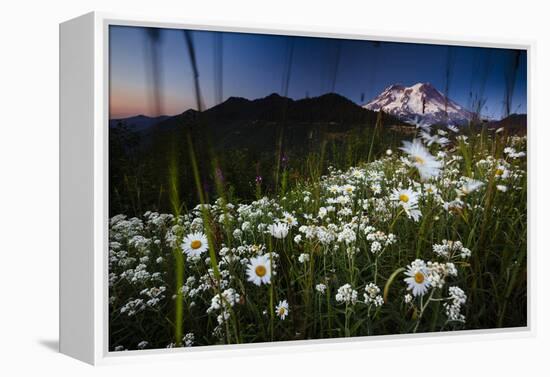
246,146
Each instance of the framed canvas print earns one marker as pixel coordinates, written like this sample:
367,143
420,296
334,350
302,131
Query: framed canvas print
226,188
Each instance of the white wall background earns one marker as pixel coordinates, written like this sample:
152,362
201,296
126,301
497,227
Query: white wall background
29,184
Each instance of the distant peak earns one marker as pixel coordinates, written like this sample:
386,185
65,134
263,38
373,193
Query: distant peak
394,87
421,100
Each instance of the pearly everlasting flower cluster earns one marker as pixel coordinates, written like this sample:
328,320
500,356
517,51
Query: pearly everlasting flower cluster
379,240
454,306
438,272
154,294
222,304
188,340
448,249
303,258
346,294
321,288
372,295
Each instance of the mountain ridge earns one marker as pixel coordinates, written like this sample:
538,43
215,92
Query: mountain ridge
138,122
330,108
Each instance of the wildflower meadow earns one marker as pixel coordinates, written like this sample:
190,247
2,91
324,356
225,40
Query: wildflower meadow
427,233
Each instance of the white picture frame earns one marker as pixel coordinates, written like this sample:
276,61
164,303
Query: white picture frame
84,190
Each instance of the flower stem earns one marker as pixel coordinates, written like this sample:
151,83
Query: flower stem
422,308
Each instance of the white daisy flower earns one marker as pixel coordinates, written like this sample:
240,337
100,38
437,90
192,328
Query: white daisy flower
404,196
348,189
259,270
282,309
278,230
194,244
430,189
358,173
422,159
408,199
421,124
417,279
334,189
289,219
501,172
452,128
455,205
470,185
431,139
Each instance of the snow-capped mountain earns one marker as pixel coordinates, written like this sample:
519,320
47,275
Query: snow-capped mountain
420,101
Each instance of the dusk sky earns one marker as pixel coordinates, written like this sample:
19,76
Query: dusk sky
255,65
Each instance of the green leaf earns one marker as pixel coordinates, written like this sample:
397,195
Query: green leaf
390,281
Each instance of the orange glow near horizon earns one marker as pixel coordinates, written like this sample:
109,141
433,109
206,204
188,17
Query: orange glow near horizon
126,102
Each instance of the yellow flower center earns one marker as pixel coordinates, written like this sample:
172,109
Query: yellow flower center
499,172
282,310
419,160
404,198
195,244
419,277
349,189
261,271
